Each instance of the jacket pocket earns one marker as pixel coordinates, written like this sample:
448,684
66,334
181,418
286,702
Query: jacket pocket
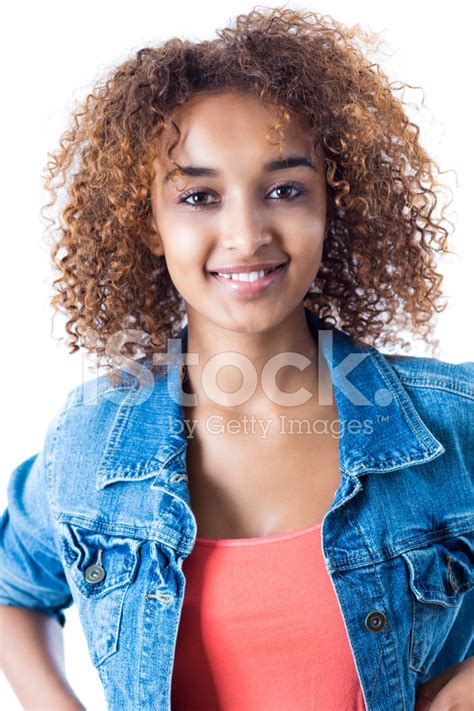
100,563
439,576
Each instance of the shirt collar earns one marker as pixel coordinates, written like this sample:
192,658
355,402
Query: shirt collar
380,428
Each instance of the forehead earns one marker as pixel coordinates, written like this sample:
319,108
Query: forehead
209,123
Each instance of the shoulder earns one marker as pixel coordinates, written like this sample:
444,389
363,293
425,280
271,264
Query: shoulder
131,384
433,374
443,394
92,407
98,389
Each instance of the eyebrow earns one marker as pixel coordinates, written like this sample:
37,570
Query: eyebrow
196,171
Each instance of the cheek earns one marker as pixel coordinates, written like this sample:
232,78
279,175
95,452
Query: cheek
186,255
184,241
313,259
179,232
307,250
306,239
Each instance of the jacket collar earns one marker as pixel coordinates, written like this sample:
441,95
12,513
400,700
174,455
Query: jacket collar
380,428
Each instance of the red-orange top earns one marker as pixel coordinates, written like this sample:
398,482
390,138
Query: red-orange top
261,629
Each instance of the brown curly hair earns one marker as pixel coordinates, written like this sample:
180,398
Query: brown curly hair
377,274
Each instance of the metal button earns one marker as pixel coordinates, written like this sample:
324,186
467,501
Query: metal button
375,621
95,573
452,578
179,476
165,597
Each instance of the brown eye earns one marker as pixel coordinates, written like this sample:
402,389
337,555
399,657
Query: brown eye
288,187
194,194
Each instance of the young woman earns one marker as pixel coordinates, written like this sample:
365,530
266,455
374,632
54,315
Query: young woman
257,509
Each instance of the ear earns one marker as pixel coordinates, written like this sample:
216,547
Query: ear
152,239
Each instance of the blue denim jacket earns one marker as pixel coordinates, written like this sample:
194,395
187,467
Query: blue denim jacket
101,517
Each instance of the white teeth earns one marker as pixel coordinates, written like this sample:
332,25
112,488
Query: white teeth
250,276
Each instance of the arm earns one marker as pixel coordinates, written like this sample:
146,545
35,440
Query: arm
33,587
32,659
452,689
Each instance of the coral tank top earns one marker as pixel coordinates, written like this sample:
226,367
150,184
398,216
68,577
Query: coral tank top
261,629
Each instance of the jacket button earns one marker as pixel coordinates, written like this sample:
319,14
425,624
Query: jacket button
179,476
375,621
452,578
95,573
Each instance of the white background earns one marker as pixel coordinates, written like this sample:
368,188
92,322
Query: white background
52,52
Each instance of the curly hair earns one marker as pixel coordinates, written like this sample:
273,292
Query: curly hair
377,275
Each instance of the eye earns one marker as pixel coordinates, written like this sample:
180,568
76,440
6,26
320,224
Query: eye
194,192
290,186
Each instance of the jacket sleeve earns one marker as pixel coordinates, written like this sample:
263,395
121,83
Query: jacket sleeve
31,571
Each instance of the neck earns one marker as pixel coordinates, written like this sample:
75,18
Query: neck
241,375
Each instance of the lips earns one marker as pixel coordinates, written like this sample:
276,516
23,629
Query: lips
250,288
247,268
249,271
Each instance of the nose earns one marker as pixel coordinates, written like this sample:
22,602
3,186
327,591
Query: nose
244,227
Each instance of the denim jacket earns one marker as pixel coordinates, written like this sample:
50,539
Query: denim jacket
101,518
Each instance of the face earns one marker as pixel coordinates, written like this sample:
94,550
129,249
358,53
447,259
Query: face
240,209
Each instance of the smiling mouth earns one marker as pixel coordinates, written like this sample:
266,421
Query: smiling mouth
248,276
252,283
